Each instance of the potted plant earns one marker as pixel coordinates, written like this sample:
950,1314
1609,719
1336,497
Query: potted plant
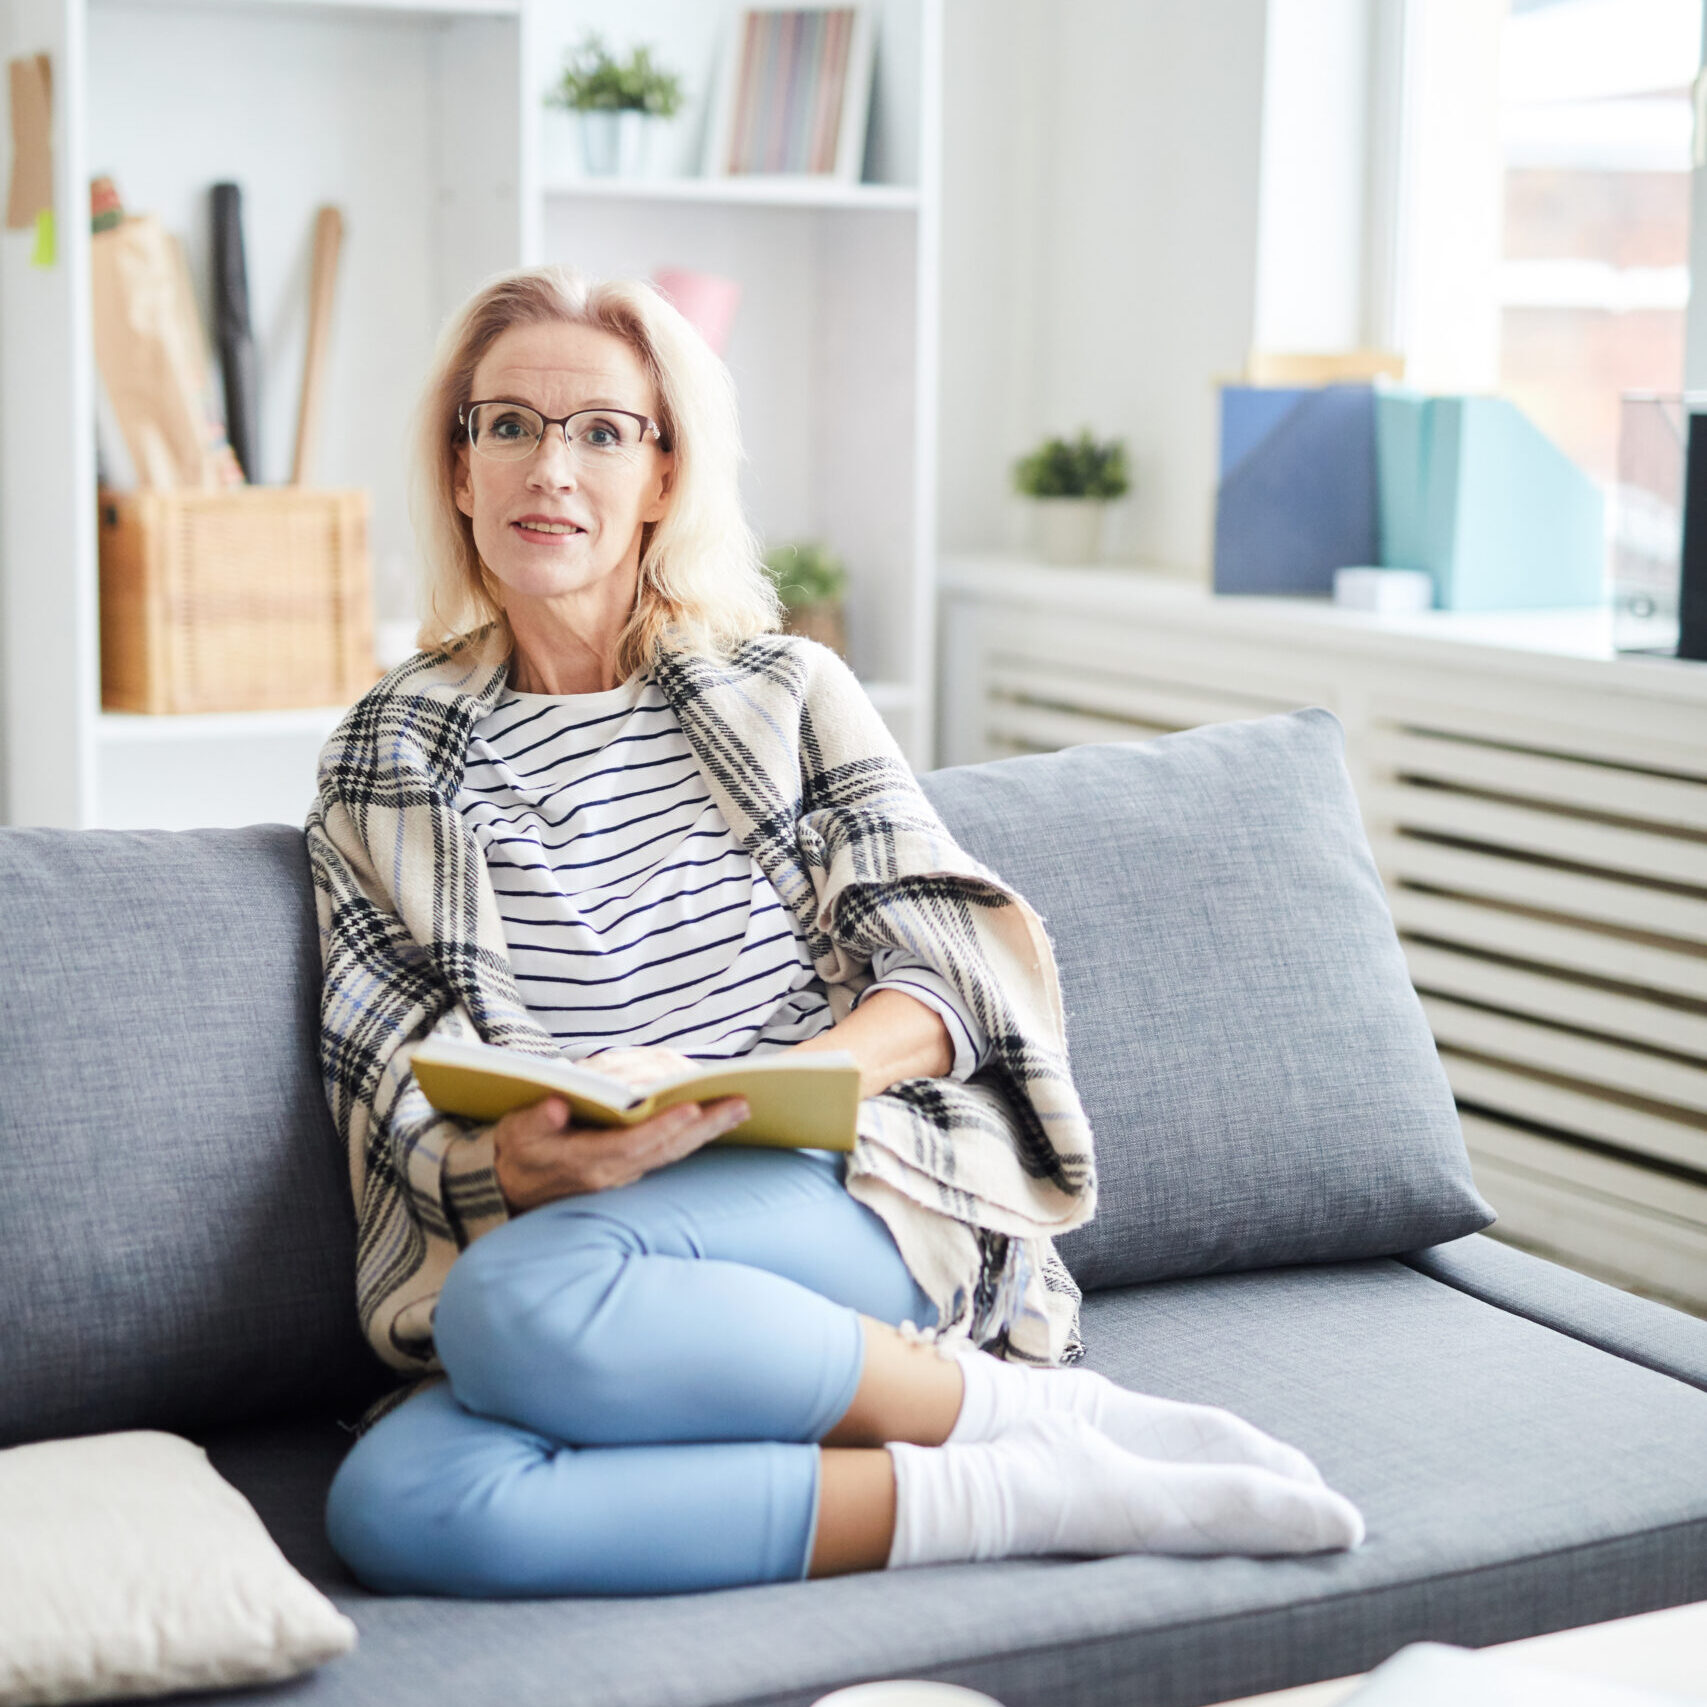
1070,482
617,103
812,584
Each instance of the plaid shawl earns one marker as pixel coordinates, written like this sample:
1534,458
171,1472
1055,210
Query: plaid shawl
972,1179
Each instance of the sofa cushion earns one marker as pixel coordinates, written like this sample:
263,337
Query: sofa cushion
179,1243
132,1568
1259,1075
1514,1481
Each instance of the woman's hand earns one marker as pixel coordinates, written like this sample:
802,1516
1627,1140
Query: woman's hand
641,1066
539,1157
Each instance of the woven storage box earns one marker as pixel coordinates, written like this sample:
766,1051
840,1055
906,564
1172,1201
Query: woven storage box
251,599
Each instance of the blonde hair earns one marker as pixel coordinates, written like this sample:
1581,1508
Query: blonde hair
703,587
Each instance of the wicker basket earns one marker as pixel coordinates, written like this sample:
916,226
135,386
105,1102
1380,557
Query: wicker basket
251,599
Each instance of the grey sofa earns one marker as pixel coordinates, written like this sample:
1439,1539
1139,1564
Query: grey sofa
1285,1229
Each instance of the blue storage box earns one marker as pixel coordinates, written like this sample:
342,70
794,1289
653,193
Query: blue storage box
1298,492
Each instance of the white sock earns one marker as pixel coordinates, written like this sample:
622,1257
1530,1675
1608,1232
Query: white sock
1054,1484
999,1396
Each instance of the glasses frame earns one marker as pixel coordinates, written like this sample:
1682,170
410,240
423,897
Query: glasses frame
464,417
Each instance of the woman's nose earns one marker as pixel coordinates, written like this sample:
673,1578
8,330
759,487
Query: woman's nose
553,463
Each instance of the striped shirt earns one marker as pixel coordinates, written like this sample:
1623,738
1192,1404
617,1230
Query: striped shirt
631,913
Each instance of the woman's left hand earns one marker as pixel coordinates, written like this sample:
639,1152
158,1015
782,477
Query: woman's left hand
639,1067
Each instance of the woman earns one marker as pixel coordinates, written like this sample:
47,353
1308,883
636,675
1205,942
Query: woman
605,812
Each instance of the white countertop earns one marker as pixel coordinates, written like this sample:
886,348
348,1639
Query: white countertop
1545,643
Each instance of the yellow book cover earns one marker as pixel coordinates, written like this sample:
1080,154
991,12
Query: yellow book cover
798,1102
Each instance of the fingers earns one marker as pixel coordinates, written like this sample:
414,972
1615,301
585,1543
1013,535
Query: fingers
543,1118
640,1066
697,1124
540,1156
622,1155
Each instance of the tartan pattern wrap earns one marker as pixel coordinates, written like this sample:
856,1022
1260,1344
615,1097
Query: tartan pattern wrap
973,1180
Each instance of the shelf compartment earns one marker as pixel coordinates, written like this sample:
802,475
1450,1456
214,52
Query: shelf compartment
748,192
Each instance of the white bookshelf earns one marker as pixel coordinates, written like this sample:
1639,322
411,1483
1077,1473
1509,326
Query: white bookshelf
834,349
424,121
410,118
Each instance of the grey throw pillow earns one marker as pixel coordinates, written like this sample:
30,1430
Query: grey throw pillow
1257,1069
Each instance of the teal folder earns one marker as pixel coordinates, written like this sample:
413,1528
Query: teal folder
1473,492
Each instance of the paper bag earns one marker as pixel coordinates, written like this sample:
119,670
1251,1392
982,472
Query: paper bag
153,358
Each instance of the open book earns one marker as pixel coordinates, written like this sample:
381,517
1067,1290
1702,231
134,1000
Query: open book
798,1102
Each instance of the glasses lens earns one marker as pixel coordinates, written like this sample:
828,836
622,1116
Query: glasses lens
504,430
605,433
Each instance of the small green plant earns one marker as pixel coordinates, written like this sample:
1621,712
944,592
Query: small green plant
594,82
1074,468
806,574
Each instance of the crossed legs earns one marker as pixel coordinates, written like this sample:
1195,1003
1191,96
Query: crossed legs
692,1382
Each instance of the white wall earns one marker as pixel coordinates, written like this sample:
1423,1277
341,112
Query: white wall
1100,208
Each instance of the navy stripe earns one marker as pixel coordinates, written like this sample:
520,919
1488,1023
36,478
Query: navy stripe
621,853
664,990
603,829
634,970
522,946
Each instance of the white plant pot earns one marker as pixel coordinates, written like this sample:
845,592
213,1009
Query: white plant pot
615,144
1067,530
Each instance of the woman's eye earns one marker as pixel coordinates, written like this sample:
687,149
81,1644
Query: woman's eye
601,435
508,427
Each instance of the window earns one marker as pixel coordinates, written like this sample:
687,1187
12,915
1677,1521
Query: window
1593,283
1541,188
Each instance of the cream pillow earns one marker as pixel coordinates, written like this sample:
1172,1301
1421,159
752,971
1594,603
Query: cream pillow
129,1566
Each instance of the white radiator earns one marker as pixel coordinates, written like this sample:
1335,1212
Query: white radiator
1545,854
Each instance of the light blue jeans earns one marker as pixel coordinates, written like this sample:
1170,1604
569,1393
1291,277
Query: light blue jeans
637,1379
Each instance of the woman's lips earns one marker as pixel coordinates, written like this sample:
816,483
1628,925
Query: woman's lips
543,532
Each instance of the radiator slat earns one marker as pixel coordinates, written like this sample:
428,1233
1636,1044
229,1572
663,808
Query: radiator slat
1533,830
1665,1194
1578,1110
1552,942
1569,1054
1043,729
1603,900
1164,705
1611,728
1597,1217
1532,776
1540,995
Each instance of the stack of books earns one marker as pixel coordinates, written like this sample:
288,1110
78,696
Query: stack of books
790,85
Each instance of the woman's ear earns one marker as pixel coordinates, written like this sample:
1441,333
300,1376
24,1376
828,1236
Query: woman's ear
659,507
462,487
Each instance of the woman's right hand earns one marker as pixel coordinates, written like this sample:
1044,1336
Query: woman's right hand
539,1157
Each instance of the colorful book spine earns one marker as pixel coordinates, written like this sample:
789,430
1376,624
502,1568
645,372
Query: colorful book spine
790,90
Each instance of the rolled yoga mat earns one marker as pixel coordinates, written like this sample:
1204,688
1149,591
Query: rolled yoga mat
236,339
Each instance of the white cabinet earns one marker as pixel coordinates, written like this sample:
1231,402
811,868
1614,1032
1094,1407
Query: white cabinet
424,122
1538,808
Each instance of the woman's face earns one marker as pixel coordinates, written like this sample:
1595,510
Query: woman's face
520,510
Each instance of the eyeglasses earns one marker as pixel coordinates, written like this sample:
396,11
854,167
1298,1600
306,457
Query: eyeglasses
508,432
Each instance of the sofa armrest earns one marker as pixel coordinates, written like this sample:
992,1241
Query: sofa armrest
1636,1329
